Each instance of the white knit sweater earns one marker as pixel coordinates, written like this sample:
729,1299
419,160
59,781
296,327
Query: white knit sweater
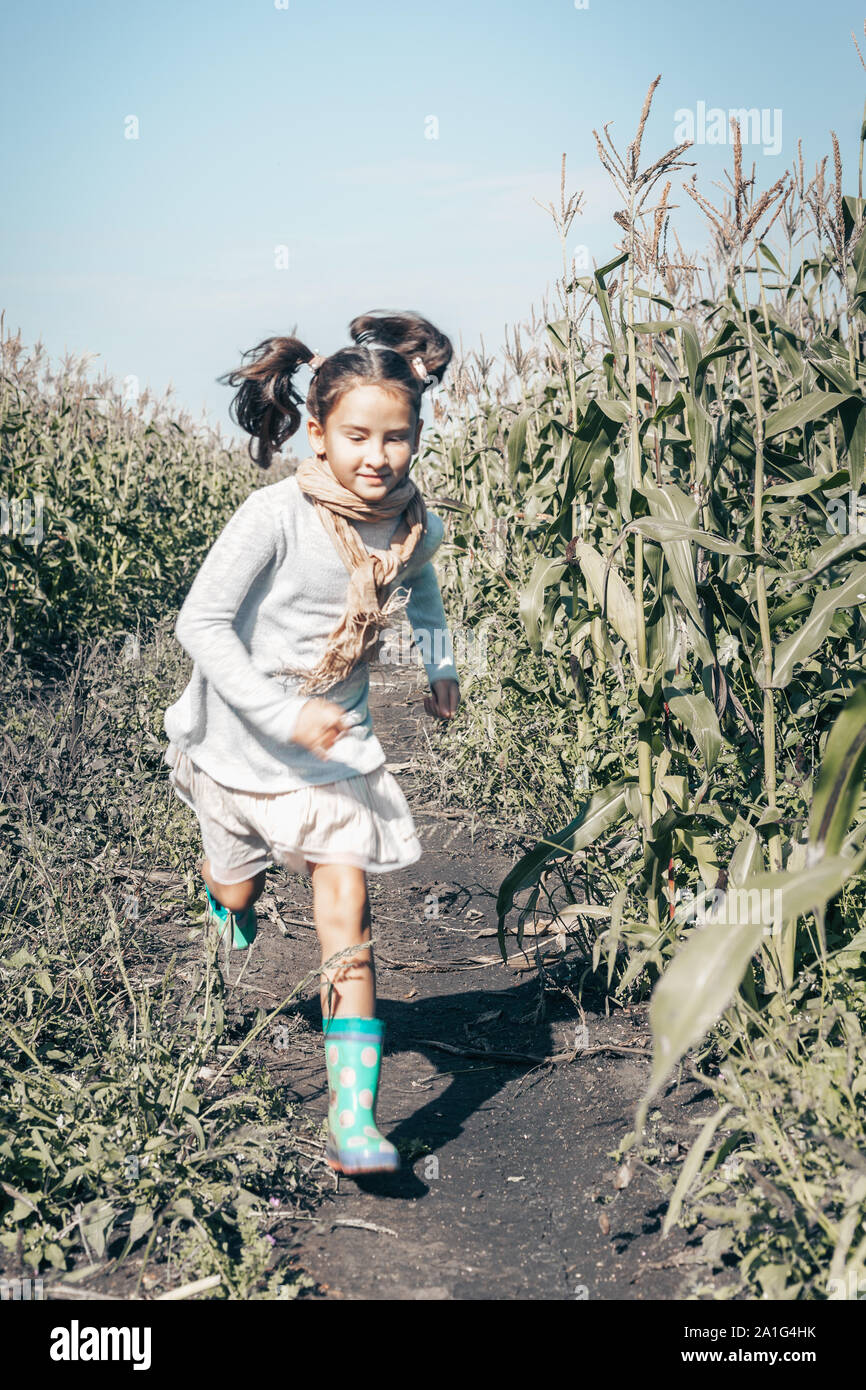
269,592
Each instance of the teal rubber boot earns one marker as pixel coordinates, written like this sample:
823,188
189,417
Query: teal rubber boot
353,1053
243,924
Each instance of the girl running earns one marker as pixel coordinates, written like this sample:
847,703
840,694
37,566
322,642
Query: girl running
271,743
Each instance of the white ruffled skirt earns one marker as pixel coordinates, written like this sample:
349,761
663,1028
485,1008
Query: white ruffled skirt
363,821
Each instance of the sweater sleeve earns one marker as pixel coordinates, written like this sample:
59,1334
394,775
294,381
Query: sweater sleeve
430,626
246,547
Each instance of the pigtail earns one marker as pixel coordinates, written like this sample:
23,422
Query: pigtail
410,335
267,405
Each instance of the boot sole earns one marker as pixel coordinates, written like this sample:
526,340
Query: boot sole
373,1164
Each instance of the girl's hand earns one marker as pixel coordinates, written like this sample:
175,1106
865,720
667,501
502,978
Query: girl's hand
443,700
320,724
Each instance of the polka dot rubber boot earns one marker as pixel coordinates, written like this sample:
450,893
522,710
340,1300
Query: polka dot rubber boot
243,924
353,1053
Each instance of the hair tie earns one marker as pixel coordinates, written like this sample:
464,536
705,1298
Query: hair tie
420,370
368,339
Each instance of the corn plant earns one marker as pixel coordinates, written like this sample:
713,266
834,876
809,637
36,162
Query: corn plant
697,593
108,504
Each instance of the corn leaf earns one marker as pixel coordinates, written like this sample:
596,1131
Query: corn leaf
840,778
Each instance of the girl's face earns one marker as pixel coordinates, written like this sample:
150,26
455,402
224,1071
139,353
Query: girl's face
369,440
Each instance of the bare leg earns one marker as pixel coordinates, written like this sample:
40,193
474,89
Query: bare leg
341,911
237,897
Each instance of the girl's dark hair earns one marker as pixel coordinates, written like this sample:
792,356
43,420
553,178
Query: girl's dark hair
267,404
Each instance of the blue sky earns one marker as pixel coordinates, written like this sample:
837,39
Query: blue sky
303,125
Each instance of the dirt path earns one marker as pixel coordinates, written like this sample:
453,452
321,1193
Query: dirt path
507,1189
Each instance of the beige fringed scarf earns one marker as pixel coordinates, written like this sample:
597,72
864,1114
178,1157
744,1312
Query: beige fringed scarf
372,573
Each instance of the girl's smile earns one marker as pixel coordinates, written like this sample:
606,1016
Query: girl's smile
369,440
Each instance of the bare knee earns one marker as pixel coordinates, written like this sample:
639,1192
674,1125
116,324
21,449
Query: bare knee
340,893
237,897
